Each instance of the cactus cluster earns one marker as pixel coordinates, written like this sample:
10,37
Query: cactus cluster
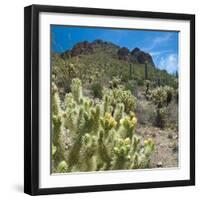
120,95
161,96
115,82
88,136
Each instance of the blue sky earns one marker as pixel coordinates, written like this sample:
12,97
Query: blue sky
162,45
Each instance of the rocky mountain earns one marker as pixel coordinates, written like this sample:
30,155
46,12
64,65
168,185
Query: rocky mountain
92,61
134,56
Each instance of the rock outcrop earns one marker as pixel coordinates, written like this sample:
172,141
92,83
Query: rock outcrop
141,57
123,53
85,47
81,48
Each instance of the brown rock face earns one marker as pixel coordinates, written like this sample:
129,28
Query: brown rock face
85,47
81,48
123,53
141,57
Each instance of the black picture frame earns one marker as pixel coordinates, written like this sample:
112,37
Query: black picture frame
31,98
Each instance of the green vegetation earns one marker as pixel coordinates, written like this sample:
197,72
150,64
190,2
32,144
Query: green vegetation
98,100
103,65
161,96
99,140
97,90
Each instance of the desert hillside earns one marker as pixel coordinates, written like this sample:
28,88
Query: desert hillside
98,82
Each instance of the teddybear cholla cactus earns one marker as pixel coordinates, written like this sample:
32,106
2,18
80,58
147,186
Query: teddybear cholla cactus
99,136
161,96
119,95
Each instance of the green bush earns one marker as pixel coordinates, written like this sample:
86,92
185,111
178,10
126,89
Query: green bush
160,119
140,82
144,112
131,86
96,89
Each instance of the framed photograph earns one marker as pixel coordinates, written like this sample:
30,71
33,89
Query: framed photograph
109,100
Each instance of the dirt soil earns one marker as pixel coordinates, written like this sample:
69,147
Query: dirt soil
166,143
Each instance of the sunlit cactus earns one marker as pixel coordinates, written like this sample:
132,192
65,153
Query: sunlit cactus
161,96
76,89
119,95
57,150
129,124
101,136
108,122
169,90
115,82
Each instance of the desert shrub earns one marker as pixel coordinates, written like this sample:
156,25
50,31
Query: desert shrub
131,86
97,90
140,82
172,115
160,119
125,77
99,139
144,112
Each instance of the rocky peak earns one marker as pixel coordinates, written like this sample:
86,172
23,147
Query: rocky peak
81,48
141,57
85,47
123,53
134,51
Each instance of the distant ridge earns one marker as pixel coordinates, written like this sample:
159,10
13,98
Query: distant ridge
134,56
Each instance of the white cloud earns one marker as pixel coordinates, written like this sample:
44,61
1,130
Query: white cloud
158,53
158,40
169,63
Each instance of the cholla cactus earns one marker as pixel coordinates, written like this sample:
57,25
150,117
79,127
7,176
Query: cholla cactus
121,154
161,97
128,123
119,95
119,112
57,150
108,122
115,82
71,70
76,89
62,167
169,90
148,146
55,100
101,136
